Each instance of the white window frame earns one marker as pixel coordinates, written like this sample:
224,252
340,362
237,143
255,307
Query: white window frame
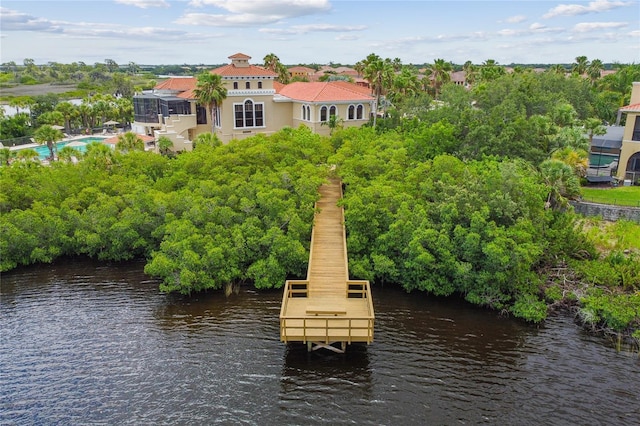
244,115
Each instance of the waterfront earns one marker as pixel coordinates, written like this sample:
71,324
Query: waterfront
87,343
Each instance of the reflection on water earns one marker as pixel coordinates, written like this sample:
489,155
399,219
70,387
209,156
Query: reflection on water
84,342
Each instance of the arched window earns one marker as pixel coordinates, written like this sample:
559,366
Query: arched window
359,112
332,111
323,113
308,113
249,114
351,112
259,85
304,112
235,85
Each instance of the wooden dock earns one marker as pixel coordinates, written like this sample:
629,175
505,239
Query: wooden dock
327,308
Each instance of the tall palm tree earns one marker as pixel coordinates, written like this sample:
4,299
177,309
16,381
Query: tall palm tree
210,92
594,70
49,135
439,74
68,111
470,73
580,66
272,63
379,73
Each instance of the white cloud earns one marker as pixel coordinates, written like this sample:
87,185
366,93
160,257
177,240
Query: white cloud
246,13
304,29
242,20
516,19
144,4
11,20
585,27
283,8
328,28
596,6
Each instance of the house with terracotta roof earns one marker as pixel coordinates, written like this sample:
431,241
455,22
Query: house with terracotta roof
302,72
255,103
629,164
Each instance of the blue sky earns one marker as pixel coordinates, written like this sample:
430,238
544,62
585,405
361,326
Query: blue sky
320,31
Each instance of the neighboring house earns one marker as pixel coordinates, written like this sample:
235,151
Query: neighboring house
255,103
629,165
302,72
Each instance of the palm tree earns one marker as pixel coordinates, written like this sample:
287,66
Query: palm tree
27,154
580,66
210,92
272,63
577,159
130,142
439,74
67,154
206,139
561,181
68,111
470,73
49,135
100,155
334,122
165,145
593,127
491,70
594,70
379,73
557,69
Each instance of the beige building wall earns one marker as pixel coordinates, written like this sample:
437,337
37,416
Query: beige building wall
629,146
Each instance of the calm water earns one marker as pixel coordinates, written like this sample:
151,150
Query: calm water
87,343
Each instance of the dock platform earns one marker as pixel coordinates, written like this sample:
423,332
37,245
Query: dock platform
327,308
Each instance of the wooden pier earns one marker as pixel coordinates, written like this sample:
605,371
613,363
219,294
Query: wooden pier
327,308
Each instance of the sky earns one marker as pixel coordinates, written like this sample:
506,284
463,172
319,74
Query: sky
156,32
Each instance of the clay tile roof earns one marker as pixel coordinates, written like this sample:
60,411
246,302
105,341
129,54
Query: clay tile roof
239,56
230,70
177,83
278,86
301,69
187,94
631,108
325,92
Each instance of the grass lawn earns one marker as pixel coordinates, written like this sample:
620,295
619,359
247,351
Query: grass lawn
622,195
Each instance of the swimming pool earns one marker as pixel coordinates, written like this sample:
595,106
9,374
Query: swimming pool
43,150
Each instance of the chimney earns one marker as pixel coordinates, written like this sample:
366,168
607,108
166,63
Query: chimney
635,93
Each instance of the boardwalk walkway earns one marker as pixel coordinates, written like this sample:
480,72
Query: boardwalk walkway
327,307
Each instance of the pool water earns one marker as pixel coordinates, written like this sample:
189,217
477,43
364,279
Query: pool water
43,150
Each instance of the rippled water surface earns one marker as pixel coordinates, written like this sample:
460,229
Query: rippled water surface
87,343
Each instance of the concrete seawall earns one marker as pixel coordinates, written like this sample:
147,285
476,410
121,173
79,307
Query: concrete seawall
607,211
